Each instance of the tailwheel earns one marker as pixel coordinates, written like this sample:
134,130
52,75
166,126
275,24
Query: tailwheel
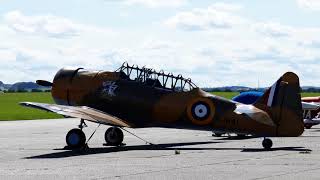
76,138
113,136
216,134
267,143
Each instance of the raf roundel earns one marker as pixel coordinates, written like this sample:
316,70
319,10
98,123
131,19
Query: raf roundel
201,111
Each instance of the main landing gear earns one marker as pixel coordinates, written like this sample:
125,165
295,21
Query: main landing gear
267,143
77,139
113,136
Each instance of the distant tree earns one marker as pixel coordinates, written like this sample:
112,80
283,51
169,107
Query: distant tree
311,90
48,90
11,91
22,90
36,90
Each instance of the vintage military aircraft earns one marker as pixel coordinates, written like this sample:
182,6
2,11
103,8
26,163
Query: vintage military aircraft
142,97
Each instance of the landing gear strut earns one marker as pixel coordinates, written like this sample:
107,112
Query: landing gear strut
267,143
113,136
82,124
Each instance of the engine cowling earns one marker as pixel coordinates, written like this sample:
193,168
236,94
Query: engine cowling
71,86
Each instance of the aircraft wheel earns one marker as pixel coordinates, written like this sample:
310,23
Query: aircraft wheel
267,143
76,138
113,136
308,126
217,134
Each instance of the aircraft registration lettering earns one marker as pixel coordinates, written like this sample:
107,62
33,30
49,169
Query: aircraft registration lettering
307,114
109,88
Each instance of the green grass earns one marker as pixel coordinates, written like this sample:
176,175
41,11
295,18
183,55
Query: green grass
11,110
227,95
310,94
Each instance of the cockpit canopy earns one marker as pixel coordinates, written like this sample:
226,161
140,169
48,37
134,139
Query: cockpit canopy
157,79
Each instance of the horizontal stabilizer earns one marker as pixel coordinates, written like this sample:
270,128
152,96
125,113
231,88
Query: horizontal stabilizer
310,106
254,113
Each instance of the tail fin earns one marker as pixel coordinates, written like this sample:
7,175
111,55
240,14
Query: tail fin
282,101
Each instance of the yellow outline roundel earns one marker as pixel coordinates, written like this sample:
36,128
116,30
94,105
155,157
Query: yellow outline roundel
201,111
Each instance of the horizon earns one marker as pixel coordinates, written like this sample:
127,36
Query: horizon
241,42
203,87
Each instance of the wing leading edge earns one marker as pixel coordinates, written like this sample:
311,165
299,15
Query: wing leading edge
82,112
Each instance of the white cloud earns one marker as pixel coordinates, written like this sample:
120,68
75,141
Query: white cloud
246,46
158,45
273,29
313,5
219,15
156,3
34,47
230,49
47,25
226,7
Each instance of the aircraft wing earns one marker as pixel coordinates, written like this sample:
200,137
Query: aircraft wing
82,112
310,106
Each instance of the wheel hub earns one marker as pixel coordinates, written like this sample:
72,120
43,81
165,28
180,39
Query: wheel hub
74,138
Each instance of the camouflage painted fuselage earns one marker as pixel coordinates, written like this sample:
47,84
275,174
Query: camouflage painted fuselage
144,105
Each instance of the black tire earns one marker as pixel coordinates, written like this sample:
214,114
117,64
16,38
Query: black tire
113,136
76,138
217,134
267,143
307,126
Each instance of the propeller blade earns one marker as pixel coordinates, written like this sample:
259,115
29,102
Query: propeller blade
44,83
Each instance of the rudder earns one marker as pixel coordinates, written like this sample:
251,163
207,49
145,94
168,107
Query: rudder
282,101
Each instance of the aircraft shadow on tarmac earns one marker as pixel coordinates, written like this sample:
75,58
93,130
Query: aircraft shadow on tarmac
169,146
236,137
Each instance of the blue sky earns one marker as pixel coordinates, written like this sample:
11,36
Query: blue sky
216,43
